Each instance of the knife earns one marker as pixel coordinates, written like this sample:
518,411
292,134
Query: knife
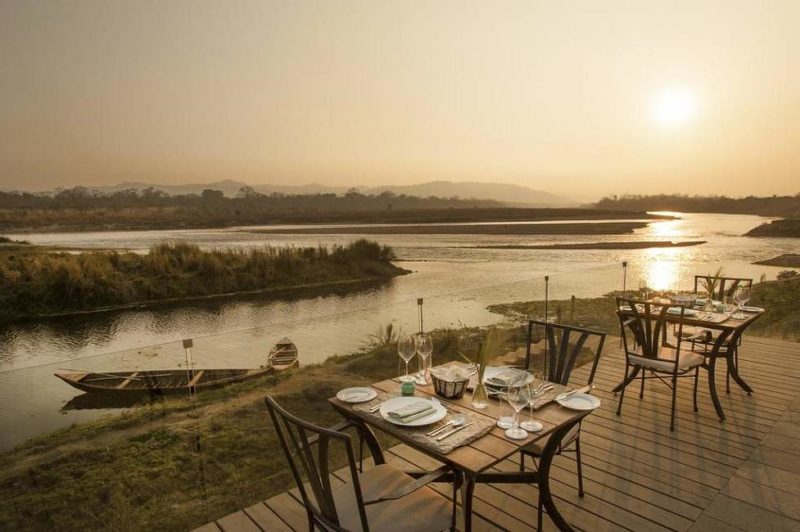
579,390
450,433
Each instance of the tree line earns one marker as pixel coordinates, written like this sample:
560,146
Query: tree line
84,198
785,206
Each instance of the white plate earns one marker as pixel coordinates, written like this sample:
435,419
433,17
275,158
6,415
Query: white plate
579,401
491,371
357,394
399,402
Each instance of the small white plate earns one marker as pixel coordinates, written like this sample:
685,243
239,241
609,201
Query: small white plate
399,402
357,394
579,401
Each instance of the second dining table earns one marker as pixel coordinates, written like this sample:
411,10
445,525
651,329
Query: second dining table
725,345
475,460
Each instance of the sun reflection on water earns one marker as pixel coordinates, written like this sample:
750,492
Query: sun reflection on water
665,269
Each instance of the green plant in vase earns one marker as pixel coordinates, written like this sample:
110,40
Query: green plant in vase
491,346
710,283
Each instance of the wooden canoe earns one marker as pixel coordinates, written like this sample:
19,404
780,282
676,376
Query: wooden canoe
176,381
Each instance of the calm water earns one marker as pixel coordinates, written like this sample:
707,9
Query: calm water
456,280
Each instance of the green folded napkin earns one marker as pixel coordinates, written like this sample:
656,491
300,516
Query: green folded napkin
411,412
504,378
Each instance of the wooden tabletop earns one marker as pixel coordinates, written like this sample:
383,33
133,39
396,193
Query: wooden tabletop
730,324
487,450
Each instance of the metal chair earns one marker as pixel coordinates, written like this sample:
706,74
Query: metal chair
652,352
726,287
381,498
563,346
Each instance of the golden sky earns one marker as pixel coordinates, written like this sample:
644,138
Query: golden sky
576,97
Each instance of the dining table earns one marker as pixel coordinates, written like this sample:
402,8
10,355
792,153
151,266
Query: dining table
475,460
722,344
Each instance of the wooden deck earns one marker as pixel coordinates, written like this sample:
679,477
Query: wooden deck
743,474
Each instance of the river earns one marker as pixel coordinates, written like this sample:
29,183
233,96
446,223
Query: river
456,280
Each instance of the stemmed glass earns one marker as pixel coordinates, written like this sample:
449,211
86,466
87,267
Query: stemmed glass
741,297
518,396
424,347
536,391
644,291
406,348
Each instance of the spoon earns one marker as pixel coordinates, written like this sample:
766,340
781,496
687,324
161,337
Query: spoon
457,420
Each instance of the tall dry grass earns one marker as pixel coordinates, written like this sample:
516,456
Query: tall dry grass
46,283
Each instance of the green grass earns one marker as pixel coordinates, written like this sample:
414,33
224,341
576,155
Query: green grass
44,283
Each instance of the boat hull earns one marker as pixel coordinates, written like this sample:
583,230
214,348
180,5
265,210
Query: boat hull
155,382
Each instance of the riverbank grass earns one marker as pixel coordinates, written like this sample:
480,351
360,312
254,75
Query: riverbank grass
41,284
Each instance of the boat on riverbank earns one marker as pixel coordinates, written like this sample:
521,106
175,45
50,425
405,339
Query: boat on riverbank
176,381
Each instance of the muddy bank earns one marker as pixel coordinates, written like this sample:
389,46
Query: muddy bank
602,245
571,228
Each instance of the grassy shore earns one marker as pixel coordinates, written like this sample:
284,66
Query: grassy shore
37,284
777,228
177,464
787,260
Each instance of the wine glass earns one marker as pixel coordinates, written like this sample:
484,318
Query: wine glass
424,347
644,291
518,396
741,296
406,349
537,390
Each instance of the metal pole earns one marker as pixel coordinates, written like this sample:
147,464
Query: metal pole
624,278
546,298
419,310
187,349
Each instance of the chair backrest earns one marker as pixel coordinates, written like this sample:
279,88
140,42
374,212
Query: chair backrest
297,438
726,286
563,345
650,325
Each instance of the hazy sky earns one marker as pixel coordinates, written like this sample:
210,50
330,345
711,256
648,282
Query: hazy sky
578,97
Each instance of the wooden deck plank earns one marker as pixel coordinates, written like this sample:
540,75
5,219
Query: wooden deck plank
265,518
289,510
746,516
208,527
237,522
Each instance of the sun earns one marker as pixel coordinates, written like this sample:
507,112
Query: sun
674,106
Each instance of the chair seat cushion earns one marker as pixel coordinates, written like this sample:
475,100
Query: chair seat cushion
423,509
691,330
536,448
666,360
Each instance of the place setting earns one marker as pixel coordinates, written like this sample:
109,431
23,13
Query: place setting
532,391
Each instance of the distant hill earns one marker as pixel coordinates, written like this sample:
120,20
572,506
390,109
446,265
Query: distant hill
506,193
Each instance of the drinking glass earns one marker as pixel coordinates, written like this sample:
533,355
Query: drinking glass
406,349
518,396
424,347
741,296
644,292
536,391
